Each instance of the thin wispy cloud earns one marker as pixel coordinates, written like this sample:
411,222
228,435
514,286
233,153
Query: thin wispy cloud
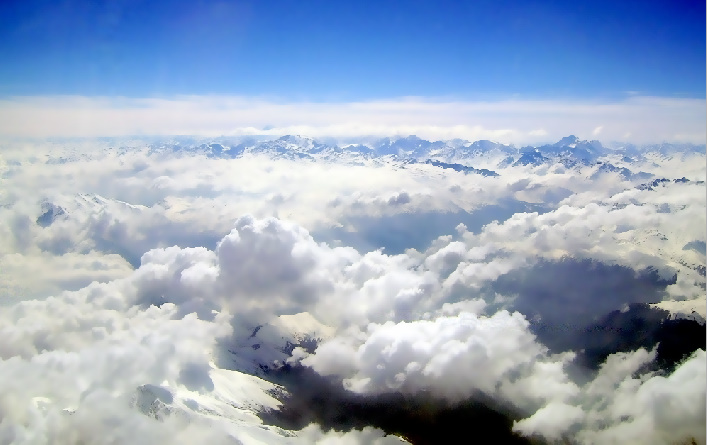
640,119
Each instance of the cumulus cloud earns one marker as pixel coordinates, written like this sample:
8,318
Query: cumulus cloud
452,357
162,293
162,323
313,434
617,407
94,348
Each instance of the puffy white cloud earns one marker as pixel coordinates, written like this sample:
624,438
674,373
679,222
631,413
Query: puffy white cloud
451,357
314,435
618,407
102,342
551,421
75,366
187,286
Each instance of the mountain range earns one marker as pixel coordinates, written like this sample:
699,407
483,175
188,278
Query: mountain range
482,157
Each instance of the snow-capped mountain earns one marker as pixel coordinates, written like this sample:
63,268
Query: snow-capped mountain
569,152
625,173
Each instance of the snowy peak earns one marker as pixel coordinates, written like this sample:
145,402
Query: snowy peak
82,204
566,141
294,147
271,344
571,151
50,213
298,141
625,173
530,157
405,146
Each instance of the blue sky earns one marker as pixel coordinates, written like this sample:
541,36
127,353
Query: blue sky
356,50
517,72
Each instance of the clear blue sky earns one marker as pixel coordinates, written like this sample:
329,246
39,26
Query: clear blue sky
353,50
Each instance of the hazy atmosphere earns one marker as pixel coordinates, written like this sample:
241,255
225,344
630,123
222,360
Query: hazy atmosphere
360,223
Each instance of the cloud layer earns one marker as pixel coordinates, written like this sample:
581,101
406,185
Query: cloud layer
149,291
636,119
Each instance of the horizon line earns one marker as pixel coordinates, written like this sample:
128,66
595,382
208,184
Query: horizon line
634,119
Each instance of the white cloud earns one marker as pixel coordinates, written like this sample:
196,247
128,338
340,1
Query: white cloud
164,323
207,274
313,434
551,421
618,407
452,357
649,119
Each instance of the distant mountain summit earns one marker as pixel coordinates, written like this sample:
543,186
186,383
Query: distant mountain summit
530,156
405,146
479,157
571,151
567,140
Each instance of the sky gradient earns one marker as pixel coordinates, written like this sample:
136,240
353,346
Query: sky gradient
354,50
287,52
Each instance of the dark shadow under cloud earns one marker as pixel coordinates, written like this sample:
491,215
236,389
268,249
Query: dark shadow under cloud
421,418
157,237
698,246
598,309
402,231
577,292
640,326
